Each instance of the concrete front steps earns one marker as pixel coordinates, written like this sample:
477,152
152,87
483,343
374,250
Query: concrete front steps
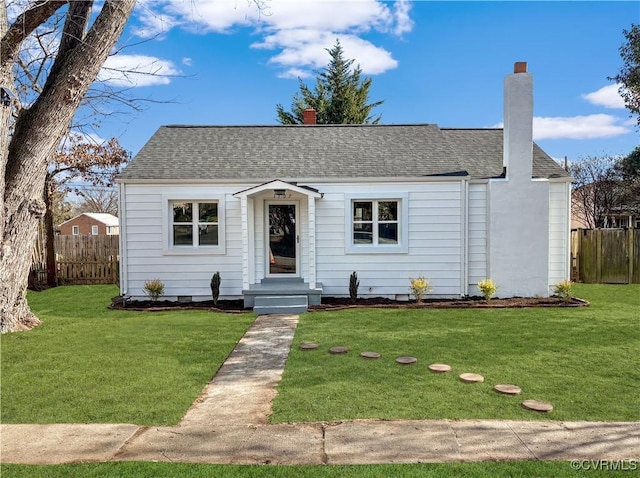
281,295
280,304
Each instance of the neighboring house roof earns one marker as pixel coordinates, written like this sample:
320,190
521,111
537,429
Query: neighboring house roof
261,153
106,219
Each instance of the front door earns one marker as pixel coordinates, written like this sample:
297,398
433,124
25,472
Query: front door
282,224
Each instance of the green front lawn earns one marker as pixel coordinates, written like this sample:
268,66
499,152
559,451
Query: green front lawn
584,361
88,364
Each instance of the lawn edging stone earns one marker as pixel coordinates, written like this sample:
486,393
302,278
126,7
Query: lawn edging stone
537,406
308,346
406,360
471,378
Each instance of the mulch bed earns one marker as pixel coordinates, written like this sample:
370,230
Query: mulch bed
337,303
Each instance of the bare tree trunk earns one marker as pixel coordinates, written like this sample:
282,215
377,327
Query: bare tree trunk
37,132
49,235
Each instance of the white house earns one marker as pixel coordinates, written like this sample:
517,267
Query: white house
293,210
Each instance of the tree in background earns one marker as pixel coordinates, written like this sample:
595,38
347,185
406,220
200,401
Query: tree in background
340,95
596,191
93,164
97,199
629,166
27,144
604,187
629,170
629,74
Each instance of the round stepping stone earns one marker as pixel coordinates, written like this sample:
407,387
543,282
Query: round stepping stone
537,406
406,360
308,346
471,378
338,350
370,355
440,368
508,389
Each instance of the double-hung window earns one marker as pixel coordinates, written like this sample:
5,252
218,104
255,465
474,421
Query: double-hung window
375,222
376,225
194,224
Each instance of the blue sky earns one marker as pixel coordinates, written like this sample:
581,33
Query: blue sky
431,62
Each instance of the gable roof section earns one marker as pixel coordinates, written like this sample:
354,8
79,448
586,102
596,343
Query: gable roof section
262,153
277,184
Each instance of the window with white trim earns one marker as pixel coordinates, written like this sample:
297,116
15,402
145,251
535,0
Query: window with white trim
75,230
194,224
376,224
94,230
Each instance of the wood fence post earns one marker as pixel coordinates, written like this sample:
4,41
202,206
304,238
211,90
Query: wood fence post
630,252
598,256
577,241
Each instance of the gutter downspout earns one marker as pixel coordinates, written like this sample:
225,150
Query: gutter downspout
124,278
464,247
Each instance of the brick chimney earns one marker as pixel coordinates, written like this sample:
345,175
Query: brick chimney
518,123
309,116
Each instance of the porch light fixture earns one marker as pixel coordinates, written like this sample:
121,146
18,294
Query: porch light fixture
279,193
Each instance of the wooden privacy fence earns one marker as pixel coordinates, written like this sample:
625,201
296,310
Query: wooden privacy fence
80,260
606,256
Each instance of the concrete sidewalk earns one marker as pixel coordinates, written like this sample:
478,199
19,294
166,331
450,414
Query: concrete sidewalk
228,424
351,442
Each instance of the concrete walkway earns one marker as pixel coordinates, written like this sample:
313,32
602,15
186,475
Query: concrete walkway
228,424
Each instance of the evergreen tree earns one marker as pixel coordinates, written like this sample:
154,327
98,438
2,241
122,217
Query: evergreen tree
339,97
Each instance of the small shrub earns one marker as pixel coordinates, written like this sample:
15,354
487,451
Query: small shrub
215,287
154,288
354,283
419,288
564,290
488,289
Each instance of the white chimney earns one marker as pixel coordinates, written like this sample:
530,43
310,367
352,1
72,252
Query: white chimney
518,123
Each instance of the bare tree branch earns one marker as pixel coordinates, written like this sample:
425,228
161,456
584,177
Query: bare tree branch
24,25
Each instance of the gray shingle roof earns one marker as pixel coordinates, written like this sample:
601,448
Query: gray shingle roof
262,153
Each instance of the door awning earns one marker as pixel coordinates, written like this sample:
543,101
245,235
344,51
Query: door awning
277,184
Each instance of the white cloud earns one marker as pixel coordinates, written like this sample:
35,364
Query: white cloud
295,73
300,30
578,127
308,50
137,70
187,61
606,96
152,23
404,24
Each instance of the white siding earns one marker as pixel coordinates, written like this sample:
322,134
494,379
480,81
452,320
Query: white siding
559,232
182,274
477,236
434,241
